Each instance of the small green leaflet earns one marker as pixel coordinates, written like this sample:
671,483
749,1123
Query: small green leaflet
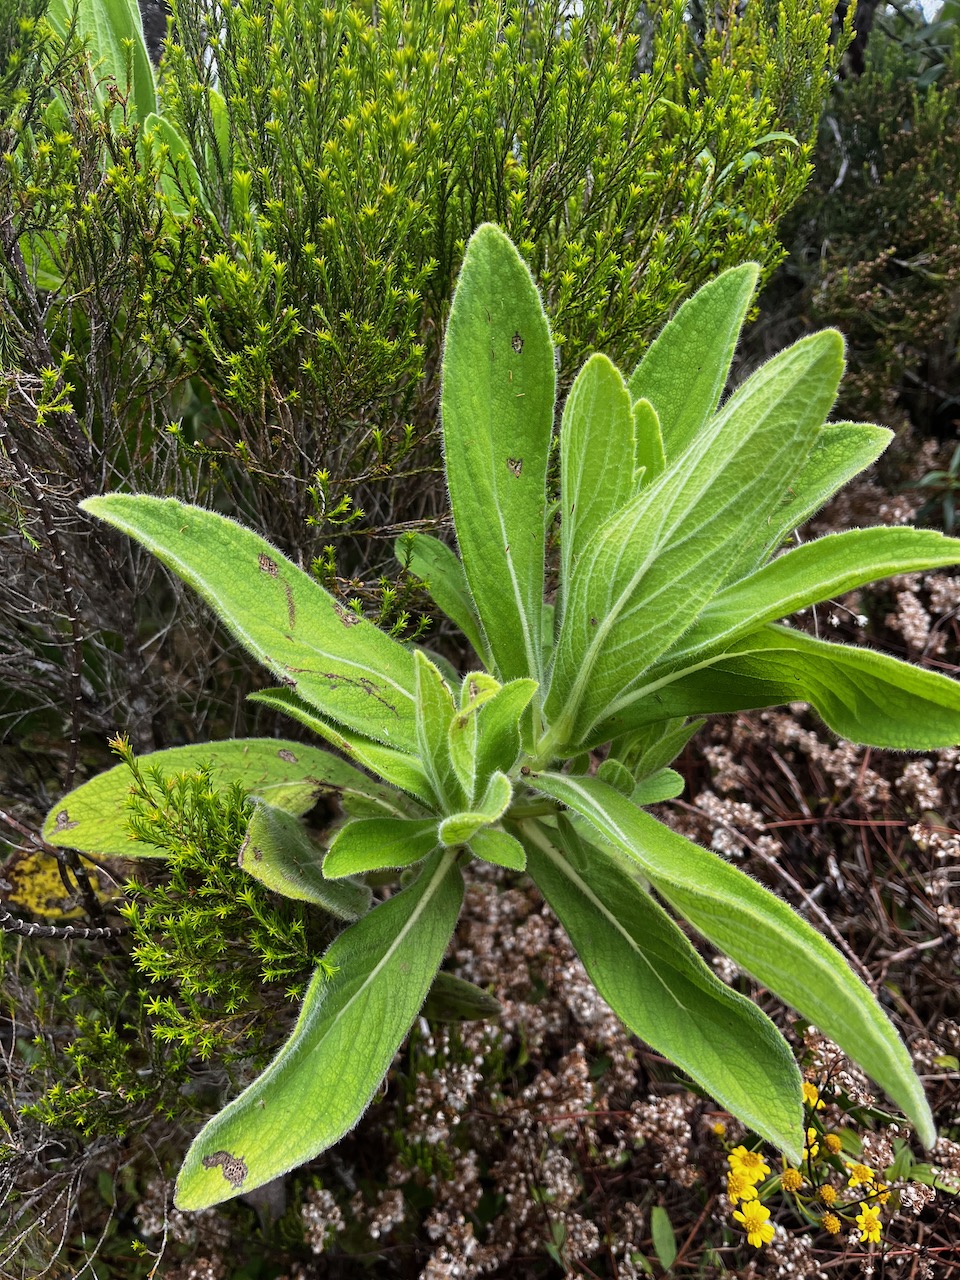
279,853
349,1029
368,844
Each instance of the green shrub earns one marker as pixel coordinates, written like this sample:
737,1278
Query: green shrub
236,301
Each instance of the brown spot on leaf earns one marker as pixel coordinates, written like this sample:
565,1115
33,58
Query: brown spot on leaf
517,342
266,565
515,465
284,754
242,850
232,1167
347,616
63,821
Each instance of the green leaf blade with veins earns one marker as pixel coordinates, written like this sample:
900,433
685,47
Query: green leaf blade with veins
435,712
861,695
279,853
339,663
370,844
348,1032
684,370
650,458
396,767
434,562
499,847
808,574
655,981
288,775
112,27
758,931
841,451
648,572
498,390
597,452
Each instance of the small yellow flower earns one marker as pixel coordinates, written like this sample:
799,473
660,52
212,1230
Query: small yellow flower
720,1129
833,1144
811,1146
811,1096
860,1175
830,1222
791,1179
868,1220
750,1163
882,1193
754,1218
740,1186
828,1194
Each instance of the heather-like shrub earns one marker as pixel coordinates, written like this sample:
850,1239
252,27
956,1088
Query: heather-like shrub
234,299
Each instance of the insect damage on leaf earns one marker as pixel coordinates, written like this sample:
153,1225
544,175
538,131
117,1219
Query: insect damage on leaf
64,822
517,343
266,565
290,758
515,465
233,1168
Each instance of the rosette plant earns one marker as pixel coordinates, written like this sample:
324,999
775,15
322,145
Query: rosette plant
669,562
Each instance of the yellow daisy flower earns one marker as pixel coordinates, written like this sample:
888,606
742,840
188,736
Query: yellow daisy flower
754,1218
830,1222
791,1179
749,1163
860,1175
868,1220
740,1186
811,1096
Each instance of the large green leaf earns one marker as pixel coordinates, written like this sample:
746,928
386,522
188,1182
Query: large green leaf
112,27
683,372
864,696
339,663
652,978
810,573
841,451
279,853
434,562
348,1031
288,775
396,767
498,390
648,572
758,931
596,456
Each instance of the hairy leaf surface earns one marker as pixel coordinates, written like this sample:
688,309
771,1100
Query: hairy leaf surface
349,1029
339,663
758,931
652,978
497,400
